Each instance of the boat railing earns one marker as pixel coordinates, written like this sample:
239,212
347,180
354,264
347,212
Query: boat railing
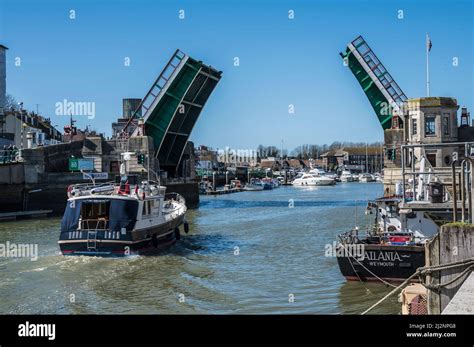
169,197
87,188
94,224
168,204
458,177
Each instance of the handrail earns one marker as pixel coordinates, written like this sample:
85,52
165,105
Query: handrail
408,153
86,222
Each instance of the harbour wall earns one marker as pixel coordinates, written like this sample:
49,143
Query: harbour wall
50,192
454,243
41,179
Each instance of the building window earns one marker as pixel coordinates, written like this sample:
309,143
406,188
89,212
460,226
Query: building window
446,124
414,126
430,126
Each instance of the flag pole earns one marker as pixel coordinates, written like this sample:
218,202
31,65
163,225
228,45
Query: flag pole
427,66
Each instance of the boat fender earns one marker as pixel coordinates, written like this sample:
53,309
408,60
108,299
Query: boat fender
177,235
69,191
186,227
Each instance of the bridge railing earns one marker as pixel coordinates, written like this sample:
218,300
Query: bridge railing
374,65
155,90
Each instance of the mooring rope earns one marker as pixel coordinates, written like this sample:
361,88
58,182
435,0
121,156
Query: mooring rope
428,269
380,279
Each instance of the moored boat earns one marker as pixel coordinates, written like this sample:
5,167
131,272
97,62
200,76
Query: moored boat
254,185
392,250
346,176
267,183
313,180
366,177
391,257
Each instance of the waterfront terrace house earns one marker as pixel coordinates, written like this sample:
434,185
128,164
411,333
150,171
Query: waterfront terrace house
206,158
270,163
27,130
298,163
354,159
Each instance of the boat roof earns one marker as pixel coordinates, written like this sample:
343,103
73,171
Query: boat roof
388,199
113,197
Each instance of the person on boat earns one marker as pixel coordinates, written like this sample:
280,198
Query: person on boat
124,188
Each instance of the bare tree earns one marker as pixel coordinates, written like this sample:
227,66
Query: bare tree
11,103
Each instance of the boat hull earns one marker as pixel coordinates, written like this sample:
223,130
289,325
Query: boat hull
321,182
253,188
388,262
147,241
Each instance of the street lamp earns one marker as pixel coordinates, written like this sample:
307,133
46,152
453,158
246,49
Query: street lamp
21,127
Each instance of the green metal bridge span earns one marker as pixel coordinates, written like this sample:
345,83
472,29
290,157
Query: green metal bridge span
377,84
172,107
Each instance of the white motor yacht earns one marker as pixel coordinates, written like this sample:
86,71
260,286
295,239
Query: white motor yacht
366,177
346,176
308,179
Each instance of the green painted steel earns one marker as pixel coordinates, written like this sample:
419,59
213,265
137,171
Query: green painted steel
373,93
160,119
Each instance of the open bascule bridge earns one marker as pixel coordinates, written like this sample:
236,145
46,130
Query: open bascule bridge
170,109
423,142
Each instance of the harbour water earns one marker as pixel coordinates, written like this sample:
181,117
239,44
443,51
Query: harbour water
246,253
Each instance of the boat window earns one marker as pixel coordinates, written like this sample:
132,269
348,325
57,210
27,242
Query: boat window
392,211
95,214
148,207
95,210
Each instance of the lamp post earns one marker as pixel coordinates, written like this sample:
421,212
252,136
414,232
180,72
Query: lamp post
21,127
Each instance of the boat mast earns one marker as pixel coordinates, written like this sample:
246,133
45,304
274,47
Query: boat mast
366,159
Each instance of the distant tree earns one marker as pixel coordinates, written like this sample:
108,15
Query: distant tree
11,103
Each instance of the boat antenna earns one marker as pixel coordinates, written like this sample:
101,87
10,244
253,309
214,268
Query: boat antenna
158,176
355,213
148,166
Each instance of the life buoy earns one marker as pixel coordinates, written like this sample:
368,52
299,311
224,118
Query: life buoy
69,191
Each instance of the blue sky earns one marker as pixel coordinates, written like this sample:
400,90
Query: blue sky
282,61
